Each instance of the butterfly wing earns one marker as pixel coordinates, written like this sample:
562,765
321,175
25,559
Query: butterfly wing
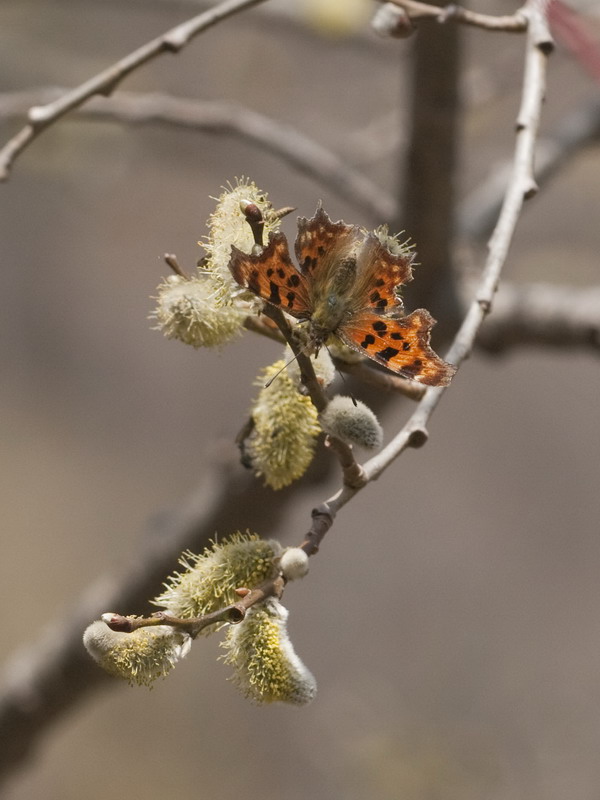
379,274
272,276
321,244
400,344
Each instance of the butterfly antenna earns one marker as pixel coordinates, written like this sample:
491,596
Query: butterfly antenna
279,371
341,374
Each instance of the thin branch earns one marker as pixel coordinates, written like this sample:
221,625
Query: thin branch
521,187
279,139
105,82
352,471
515,23
232,614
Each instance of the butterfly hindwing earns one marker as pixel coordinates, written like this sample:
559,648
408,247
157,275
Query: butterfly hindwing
272,276
400,344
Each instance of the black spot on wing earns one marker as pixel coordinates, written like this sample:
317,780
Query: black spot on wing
368,341
293,280
274,295
380,326
396,335
387,353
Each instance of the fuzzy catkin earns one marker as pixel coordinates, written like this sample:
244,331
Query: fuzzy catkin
266,666
208,581
352,422
140,657
281,445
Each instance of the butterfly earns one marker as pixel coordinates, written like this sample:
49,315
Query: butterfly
347,286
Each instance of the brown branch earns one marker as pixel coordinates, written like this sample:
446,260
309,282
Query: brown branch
105,82
233,613
515,23
279,139
352,471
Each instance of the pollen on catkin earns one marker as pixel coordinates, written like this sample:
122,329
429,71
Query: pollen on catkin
208,581
191,311
353,424
140,657
266,667
281,445
227,226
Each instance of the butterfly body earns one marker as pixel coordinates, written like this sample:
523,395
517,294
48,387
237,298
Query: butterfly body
346,286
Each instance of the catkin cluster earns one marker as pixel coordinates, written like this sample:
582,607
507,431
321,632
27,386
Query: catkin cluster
265,665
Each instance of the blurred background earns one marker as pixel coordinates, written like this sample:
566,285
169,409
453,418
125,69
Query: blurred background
451,617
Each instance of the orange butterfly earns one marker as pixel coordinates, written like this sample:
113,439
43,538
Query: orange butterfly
347,285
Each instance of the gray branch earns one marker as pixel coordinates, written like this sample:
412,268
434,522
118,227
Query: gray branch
543,314
214,117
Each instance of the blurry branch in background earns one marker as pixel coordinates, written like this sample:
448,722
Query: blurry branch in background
43,682
574,132
53,677
543,314
279,139
522,186
427,184
174,40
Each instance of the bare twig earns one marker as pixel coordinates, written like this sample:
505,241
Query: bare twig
515,23
233,613
174,40
522,186
352,471
279,139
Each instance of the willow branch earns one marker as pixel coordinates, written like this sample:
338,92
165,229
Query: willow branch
522,186
514,23
352,471
105,82
232,614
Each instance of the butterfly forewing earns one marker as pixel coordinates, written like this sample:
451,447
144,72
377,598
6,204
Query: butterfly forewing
379,274
272,276
322,244
401,345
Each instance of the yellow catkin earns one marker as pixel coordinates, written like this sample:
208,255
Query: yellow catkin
281,445
266,667
208,581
